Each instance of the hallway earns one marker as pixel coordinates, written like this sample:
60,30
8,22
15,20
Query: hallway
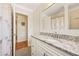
39,29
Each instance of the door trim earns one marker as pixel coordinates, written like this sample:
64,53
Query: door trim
16,30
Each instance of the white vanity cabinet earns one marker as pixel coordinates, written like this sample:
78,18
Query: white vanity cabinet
35,48
51,50
41,48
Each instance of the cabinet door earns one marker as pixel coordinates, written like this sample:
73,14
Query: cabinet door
45,50
48,51
40,49
35,47
32,46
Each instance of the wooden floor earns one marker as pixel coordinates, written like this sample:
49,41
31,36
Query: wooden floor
20,45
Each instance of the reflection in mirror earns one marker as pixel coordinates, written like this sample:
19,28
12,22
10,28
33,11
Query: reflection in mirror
74,16
58,20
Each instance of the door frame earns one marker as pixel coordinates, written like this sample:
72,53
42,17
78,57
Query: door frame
16,27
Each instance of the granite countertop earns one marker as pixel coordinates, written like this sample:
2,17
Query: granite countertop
70,46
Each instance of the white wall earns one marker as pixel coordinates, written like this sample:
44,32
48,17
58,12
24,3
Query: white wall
36,18
22,29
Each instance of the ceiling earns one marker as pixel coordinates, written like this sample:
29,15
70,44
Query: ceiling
31,6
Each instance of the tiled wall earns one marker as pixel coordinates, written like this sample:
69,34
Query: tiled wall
6,30
0,30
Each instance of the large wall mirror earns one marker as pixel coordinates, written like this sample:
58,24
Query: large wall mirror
52,18
58,19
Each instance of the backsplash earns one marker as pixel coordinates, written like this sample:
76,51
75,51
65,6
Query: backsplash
61,36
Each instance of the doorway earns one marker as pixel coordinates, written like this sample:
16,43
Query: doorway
21,35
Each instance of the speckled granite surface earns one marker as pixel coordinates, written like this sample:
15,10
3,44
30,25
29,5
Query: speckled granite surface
62,36
68,45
